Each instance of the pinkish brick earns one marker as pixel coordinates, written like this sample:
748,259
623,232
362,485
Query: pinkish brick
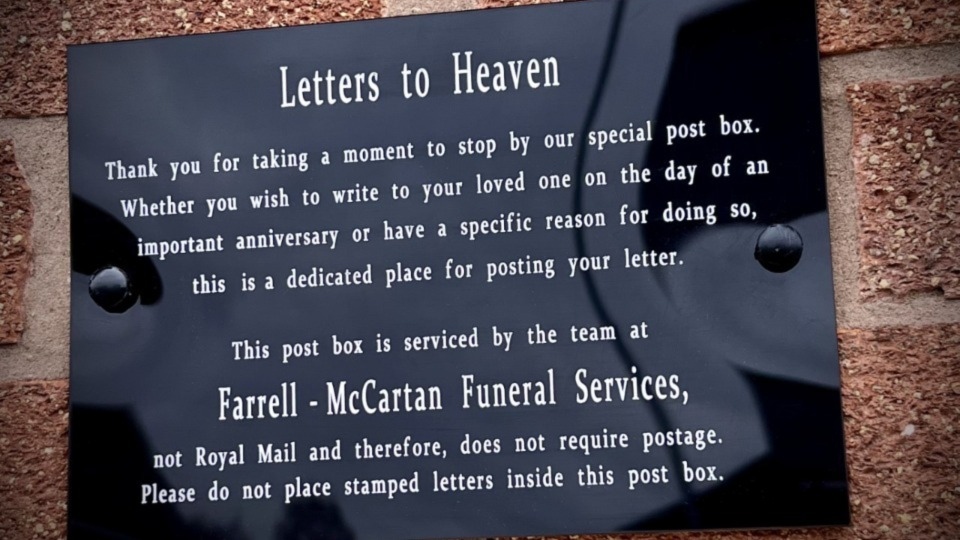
901,386
33,460
856,25
16,219
906,152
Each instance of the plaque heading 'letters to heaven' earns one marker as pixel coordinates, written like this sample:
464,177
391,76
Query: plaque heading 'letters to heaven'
545,270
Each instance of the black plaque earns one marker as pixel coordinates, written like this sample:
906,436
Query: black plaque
546,270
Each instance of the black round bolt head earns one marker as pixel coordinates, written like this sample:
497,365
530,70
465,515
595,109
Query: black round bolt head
112,290
779,248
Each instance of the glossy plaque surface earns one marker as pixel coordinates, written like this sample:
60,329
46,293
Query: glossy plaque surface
545,270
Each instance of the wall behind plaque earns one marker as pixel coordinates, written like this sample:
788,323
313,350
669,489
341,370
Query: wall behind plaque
891,106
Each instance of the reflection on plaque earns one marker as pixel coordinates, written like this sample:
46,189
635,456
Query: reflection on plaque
550,270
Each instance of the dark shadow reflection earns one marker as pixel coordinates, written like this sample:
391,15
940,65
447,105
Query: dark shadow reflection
99,240
309,519
705,81
799,467
116,461
801,480
663,422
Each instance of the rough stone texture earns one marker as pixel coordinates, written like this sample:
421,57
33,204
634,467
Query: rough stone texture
838,73
43,351
34,34
41,146
16,218
906,152
394,8
856,25
33,460
507,3
901,391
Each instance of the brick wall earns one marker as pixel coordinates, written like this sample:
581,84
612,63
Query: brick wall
891,105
